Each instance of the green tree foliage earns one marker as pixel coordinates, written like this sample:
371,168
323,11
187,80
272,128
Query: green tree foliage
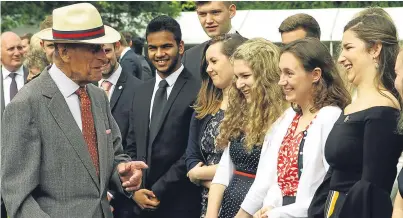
127,15
265,5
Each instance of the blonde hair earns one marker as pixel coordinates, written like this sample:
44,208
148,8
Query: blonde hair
267,102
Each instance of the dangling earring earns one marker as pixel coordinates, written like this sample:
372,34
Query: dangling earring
376,64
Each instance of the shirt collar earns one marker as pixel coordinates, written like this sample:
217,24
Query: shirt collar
66,86
6,73
171,79
124,52
114,77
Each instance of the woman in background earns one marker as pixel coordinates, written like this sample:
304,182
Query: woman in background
202,156
255,102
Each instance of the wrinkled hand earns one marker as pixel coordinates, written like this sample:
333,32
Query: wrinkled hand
193,173
130,174
108,196
262,213
146,199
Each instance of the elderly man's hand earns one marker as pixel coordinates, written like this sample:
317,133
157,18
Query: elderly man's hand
130,174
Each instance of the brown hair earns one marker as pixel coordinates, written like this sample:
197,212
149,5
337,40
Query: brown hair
47,23
400,122
210,97
373,29
27,36
374,11
122,40
35,58
199,3
301,20
128,36
267,102
329,90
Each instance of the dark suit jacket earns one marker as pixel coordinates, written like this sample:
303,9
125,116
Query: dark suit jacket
192,59
121,104
26,72
132,64
146,69
165,155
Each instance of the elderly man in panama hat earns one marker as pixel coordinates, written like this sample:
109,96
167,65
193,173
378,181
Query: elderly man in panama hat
61,146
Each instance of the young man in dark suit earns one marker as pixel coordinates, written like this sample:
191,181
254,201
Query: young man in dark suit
129,61
215,18
159,127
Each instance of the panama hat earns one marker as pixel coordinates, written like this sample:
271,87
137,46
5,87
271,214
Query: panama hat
79,23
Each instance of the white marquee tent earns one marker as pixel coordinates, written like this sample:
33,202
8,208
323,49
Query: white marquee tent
265,23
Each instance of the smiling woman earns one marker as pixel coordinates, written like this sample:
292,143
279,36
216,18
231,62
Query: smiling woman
359,182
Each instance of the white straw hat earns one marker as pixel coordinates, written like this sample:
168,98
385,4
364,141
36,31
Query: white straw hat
79,23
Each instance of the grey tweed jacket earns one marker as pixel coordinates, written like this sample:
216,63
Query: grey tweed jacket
46,168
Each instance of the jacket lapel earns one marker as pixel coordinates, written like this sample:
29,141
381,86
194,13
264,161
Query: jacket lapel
120,85
180,82
61,113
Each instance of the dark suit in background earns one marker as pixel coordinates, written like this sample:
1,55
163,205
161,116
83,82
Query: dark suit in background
146,69
192,59
26,72
121,103
165,155
131,63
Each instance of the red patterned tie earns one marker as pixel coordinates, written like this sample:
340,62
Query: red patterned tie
88,126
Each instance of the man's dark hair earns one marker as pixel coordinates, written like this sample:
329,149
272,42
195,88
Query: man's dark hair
199,3
165,23
304,21
138,45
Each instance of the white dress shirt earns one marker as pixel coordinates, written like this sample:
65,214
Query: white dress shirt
19,79
265,190
67,87
123,53
171,79
112,79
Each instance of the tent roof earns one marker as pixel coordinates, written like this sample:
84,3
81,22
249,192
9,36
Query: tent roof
265,23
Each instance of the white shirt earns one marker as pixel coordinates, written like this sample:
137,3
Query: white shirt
265,190
112,79
67,87
171,79
19,79
123,53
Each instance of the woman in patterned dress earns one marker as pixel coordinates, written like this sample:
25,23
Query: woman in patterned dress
292,164
202,156
255,102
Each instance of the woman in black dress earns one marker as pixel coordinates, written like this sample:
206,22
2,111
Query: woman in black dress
255,102
363,147
202,156
398,206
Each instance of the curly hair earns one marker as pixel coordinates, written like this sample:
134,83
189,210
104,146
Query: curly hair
267,103
210,97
